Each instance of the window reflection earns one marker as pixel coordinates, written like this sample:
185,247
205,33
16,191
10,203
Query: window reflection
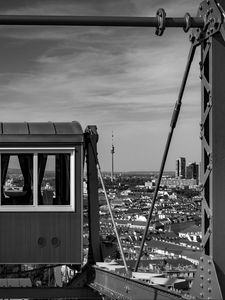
54,179
16,179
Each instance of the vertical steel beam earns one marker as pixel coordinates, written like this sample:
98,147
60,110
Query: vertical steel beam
207,151
91,139
210,278
217,132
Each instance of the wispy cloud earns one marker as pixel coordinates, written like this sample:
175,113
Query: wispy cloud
112,77
97,75
86,7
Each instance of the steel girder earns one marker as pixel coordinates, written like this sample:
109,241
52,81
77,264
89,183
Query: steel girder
45,293
116,286
91,139
210,278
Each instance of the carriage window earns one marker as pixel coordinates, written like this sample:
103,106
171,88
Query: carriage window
54,179
37,179
17,179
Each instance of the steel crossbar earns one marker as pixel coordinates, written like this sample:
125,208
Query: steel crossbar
122,21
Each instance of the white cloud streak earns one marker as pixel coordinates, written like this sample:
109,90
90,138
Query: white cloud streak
115,78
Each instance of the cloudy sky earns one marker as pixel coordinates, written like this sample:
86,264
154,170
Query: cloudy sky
124,80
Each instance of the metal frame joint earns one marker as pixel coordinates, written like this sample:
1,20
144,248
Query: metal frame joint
212,15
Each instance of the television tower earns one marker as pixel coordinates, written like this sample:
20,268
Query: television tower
112,152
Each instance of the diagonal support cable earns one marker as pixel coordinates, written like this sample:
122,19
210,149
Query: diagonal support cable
112,218
110,209
169,138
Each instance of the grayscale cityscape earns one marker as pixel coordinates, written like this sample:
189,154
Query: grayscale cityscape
171,251
112,149
172,248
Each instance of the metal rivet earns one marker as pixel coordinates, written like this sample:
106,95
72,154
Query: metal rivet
202,276
55,242
200,7
41,242
209,262
201,285
209,280
208,2
210,289
192,38
209,271
201,295
201,268
216,24
201,258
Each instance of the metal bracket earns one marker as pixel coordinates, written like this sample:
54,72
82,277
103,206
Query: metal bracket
187,18
213,18
206,284
161,17
83,278
117,286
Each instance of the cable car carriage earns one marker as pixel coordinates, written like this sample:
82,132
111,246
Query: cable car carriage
41,193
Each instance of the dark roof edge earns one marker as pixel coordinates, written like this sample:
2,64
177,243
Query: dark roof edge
41,128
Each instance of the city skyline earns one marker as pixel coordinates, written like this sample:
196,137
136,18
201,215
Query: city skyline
124,80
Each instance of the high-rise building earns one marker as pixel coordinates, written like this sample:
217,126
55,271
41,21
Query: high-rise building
199,172
177,168
192,171
189,171
181,167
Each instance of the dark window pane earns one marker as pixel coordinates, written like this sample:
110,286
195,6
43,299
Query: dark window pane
54,179
17,179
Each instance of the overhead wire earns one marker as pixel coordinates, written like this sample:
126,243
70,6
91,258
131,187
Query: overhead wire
173,123
109,207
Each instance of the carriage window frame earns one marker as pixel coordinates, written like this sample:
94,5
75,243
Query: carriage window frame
35,207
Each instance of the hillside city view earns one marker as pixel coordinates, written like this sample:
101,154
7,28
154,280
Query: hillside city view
79,79
172,248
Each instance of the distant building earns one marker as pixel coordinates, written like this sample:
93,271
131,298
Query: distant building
172,182
193,233
182,167
177,168
192,171
148,184
112,152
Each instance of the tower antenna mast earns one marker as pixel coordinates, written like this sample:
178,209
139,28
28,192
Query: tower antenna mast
112,152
